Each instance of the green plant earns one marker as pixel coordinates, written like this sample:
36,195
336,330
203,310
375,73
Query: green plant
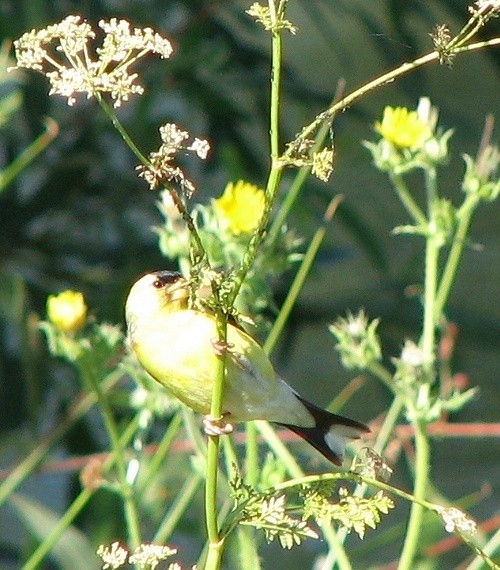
263,496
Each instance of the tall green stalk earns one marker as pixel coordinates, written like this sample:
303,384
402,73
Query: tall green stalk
215,542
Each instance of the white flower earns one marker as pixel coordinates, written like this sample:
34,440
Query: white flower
113,557
150,555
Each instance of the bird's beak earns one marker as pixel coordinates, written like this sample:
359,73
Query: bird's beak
178,291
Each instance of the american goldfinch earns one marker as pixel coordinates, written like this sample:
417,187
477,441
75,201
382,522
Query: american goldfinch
177,347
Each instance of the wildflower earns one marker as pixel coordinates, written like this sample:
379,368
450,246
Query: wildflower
455,519
357,340
161,168
240,208
412,355
413,368
113,557
150,555
403,128
51,49
67,311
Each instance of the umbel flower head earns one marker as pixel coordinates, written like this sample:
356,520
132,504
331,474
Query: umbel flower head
63,54
240,208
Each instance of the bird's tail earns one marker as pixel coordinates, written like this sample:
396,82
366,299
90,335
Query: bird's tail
331,432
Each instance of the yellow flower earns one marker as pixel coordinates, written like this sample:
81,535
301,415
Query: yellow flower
240,208
67,310
403,128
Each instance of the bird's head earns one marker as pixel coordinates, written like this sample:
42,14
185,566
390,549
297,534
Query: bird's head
155,292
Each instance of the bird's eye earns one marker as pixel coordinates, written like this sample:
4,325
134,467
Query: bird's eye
164,278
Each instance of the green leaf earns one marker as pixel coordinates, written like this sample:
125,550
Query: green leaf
72,551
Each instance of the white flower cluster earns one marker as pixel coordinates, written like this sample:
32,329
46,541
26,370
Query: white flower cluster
161,169
62,53
145,556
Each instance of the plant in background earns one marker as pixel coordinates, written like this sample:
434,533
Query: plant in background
229,248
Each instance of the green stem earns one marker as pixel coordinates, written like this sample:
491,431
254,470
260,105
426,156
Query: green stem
215,542
10,172
489,549
294,190
351,476
178,508
179,203
431,270
121,129
160,454
279,448
459,240
248,555
63,523
75,508
406,198
92,379
252,455
428,341
390,421
276,168
384,79
381,372
300,277
31,462
413,531
274,111
337,554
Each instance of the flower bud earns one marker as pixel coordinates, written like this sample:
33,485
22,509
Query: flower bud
67,311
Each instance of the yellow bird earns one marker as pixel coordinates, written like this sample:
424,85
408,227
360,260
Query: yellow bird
177,347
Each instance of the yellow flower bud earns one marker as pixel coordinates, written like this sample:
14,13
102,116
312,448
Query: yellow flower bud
240,208
67,310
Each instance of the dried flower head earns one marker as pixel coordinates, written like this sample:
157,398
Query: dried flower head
455,520
322,164
62,52
441,38
370,464
161,170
